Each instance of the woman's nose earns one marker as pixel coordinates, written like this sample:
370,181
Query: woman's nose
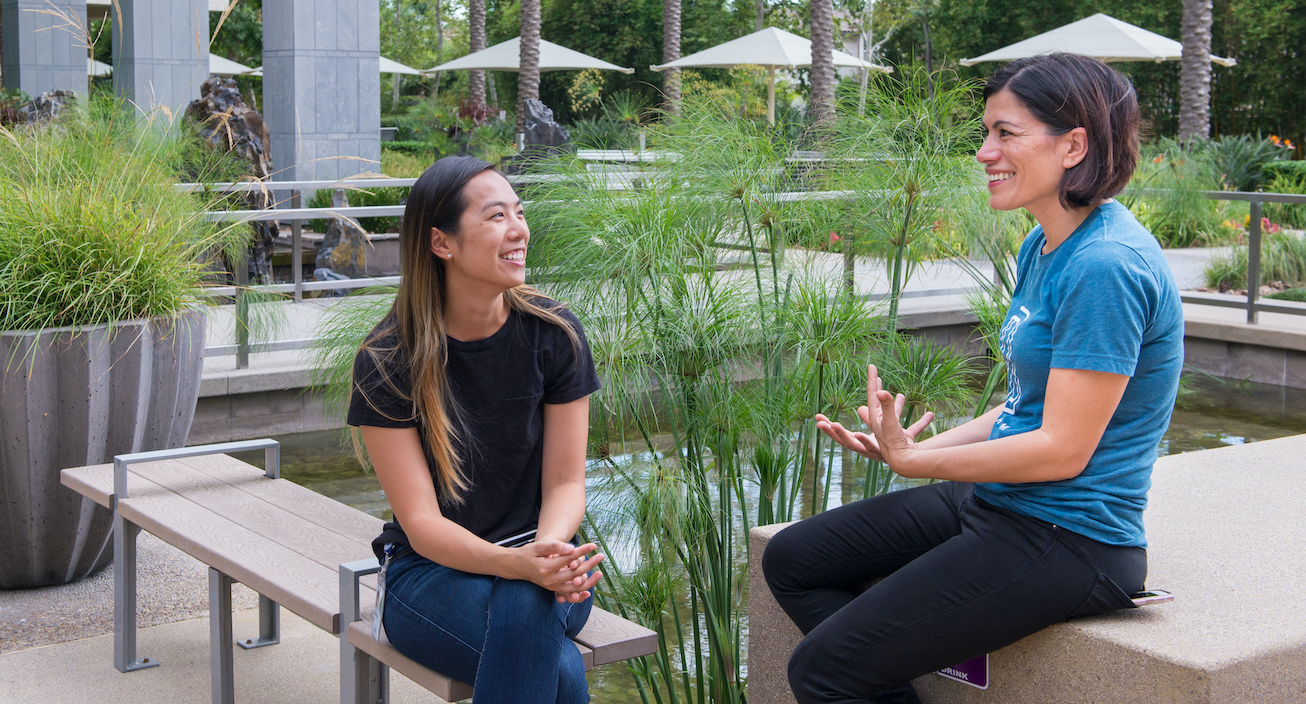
987,153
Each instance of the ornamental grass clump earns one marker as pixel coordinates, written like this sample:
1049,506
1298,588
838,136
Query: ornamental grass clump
92,229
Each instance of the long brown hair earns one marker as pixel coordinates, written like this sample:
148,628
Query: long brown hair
416,321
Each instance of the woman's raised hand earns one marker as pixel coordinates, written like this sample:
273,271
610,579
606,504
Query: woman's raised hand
561,568
888,440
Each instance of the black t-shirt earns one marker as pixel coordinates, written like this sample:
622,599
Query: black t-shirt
499,385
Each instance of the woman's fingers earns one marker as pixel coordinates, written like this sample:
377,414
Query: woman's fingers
857,442
920,424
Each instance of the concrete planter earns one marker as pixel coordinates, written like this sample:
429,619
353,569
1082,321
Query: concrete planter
78,397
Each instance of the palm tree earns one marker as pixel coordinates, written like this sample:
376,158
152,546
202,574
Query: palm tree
476,42
671,52
1195,72
822,60
528,76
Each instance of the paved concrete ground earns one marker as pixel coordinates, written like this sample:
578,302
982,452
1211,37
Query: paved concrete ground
302,669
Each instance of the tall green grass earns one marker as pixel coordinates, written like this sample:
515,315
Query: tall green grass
92,229
1283,258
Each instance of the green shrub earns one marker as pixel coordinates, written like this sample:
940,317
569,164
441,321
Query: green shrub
1291,294
401,165
1175,209
92,229
359,197
412,148
603,133
1241,158
1283,258
1274,169
1282,213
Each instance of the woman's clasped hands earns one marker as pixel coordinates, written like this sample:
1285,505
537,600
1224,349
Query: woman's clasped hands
888,441
560,567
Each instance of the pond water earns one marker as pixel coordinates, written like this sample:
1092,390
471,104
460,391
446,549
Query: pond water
1211,413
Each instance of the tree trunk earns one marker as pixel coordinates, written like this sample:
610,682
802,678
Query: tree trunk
396,78
822,60
1195,72
439,35
761,16
671,52
476,42
528,76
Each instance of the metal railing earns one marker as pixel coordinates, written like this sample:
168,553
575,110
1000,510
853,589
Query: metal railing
1252,305
296,214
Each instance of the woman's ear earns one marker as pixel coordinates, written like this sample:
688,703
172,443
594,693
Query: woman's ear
440,244
1075,145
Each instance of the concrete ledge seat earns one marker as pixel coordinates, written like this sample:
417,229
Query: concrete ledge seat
1226,529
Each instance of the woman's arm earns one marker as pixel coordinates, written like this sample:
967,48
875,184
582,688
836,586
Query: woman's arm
566,432
1077,408
400,465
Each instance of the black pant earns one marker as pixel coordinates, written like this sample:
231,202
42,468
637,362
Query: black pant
961,578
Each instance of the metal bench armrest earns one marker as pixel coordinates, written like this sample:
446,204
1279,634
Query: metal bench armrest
271,454
363,680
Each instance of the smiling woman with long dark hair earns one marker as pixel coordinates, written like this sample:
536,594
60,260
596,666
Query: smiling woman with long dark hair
472,397
1041,514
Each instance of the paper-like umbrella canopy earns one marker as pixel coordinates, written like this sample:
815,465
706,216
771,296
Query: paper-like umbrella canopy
507,57
1100,36
770,48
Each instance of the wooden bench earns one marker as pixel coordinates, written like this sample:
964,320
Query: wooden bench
283,541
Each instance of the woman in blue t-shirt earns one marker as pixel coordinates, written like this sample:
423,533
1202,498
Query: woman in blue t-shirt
472,397
1041,517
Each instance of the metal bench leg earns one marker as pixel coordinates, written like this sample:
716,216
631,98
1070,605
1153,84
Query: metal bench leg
269,625
222,676
124,597
363,679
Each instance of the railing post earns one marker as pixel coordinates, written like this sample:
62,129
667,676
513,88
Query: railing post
1253,260
296,250
242,311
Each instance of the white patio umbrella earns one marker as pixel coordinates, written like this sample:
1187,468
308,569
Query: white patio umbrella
506,56
770,48
1100,36
97,68
219,66
387,66
391,66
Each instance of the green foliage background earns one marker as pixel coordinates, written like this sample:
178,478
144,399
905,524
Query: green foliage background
1264,93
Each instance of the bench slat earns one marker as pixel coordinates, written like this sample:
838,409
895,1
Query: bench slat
292,580
94,482
613,638
305,503
253,509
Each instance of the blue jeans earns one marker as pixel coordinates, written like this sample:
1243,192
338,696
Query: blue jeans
509,638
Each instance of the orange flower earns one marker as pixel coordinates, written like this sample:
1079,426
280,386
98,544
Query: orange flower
1158,158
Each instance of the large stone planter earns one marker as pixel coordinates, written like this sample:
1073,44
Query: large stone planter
70,398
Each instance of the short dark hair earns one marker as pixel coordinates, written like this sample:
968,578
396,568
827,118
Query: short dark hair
1065,91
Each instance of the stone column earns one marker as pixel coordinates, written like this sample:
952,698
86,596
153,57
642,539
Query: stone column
43,51
322,87
161,54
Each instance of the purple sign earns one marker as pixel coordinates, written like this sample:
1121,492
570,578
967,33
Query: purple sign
974,672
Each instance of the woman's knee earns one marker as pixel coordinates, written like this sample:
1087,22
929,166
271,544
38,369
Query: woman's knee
779,558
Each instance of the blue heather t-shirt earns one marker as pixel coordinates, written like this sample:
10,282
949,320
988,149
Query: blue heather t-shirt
1102,301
